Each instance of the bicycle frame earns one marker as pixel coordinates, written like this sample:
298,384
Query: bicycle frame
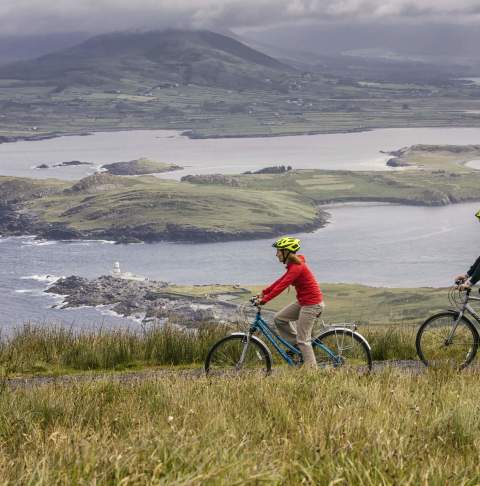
465,308
259,324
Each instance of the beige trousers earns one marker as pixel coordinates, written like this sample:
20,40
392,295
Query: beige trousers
301,334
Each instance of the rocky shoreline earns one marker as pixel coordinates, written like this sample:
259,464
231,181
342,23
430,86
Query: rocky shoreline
148,301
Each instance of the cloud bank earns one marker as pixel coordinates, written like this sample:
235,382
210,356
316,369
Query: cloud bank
24,17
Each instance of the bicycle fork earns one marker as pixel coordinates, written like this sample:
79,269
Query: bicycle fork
244,351
449,339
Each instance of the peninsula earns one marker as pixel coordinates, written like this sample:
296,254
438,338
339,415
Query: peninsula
225,208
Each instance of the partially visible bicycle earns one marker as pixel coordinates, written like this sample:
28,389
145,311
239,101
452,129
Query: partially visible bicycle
243,352
450,338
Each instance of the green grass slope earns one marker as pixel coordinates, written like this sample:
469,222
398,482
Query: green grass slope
150,208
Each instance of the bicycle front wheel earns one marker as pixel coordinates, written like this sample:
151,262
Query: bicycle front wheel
236,355
440,344
346,349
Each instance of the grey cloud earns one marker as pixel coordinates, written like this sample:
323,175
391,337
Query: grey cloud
39,16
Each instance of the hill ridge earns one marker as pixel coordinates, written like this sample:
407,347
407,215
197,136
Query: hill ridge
181,56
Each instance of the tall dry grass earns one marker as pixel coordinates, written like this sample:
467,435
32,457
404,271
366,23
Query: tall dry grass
43,349
291,428
33,349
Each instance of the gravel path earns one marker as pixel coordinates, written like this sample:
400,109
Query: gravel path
153,375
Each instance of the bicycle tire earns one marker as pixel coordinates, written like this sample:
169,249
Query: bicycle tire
223,358
355,354
434,353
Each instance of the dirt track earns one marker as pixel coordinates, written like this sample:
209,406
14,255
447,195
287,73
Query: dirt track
132,377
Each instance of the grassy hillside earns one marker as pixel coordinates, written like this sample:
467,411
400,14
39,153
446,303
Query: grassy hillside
151,208
345,302
412,187
370,305
294,428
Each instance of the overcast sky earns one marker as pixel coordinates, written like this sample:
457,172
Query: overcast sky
23,17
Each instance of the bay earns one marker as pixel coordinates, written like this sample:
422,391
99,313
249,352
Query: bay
381,245
346,151
378,245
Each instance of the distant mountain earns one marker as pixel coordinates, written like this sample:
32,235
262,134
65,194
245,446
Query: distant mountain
171,56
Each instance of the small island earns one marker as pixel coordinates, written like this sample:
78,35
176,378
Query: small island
140,166
69,163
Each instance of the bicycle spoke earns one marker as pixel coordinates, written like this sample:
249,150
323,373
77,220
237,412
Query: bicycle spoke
349,351
440,343
234,356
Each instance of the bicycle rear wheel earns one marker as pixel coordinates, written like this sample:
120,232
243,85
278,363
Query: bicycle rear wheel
235,355
350,350
438,347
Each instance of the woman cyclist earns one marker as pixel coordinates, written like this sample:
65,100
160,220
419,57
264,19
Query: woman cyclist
309,304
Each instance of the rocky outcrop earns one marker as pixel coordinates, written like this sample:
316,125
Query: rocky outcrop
72,163
146,299
69,163
14,223
397,162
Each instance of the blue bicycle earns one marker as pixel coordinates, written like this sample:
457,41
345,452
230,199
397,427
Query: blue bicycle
336,347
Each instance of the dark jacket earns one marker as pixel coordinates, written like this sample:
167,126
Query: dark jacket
474,272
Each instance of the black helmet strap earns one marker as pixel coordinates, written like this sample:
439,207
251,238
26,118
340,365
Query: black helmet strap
285,257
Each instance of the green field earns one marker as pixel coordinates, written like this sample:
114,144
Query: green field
217,112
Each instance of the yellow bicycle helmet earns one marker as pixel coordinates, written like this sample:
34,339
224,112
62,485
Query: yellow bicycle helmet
477,214
287,243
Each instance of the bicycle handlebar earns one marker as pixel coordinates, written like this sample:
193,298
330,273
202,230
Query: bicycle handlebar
253,301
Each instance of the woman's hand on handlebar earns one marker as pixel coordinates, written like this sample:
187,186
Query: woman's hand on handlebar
257,300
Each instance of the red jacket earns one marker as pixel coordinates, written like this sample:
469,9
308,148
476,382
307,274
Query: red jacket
302,278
